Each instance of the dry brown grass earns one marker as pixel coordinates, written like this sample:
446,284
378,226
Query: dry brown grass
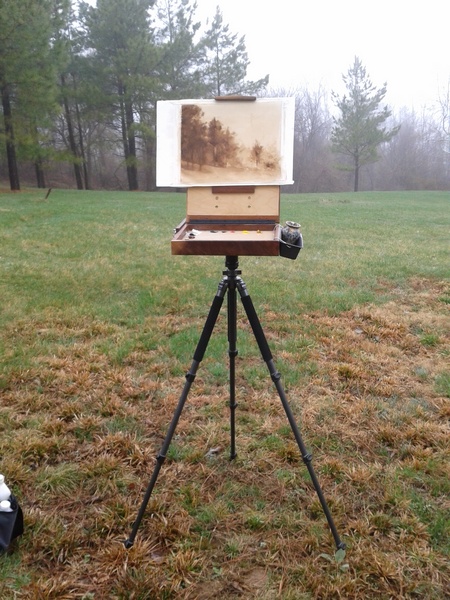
80,433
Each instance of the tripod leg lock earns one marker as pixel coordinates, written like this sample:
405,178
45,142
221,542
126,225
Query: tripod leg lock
190,376
307,458
276,376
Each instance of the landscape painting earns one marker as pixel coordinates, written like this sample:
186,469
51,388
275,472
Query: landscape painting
232,142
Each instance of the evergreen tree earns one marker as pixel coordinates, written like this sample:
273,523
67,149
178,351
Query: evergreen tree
226,61
180,54
70,39
120,36
360,129
176,74
26,79
43,108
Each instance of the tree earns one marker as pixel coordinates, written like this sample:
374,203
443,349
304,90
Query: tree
444,119
70,39
26,79
120,36
226,61
180,54
313,170
415,158
178,74
360,130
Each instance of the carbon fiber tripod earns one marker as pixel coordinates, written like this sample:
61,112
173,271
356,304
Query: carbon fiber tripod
231,283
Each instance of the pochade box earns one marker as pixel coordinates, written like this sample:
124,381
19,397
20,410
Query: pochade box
232,154
235,220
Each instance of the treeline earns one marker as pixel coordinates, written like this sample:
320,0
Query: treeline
417,157
79,86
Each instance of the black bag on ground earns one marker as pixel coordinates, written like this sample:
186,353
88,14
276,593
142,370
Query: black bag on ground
11,524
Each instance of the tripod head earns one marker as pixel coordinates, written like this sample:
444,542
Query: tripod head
232,263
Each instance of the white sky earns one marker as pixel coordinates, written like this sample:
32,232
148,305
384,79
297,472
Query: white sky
405,43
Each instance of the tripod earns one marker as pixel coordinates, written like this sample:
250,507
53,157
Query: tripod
231,283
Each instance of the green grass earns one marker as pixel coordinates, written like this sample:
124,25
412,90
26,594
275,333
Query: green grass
107,254
98,325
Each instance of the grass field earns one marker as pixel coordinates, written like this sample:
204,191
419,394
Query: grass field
98,326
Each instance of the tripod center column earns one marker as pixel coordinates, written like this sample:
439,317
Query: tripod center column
231,263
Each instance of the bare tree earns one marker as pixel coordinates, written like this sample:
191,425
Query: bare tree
444,104
414,159
312,157
444,120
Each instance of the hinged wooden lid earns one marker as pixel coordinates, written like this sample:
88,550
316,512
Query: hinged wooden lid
254,203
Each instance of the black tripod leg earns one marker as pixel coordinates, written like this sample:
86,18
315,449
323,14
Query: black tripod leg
232,353
190,376
268,359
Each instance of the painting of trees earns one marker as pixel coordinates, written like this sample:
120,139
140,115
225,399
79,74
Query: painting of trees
256,152
218,145
205,143
193,136
215,132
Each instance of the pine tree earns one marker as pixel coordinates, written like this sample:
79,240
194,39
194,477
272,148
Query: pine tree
226,61
70,42
179,65
120,36
360,130
26,79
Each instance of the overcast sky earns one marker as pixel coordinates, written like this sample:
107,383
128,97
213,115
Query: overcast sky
311,43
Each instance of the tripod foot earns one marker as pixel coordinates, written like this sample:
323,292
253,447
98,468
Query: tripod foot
128,544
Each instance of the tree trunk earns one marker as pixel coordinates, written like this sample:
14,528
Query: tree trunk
128,139
13,170
83,154
132,166
70,132
150,165
40,177
123,123
356,187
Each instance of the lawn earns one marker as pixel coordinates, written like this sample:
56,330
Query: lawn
99,323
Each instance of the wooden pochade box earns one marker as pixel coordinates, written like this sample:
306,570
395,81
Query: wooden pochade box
230,221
